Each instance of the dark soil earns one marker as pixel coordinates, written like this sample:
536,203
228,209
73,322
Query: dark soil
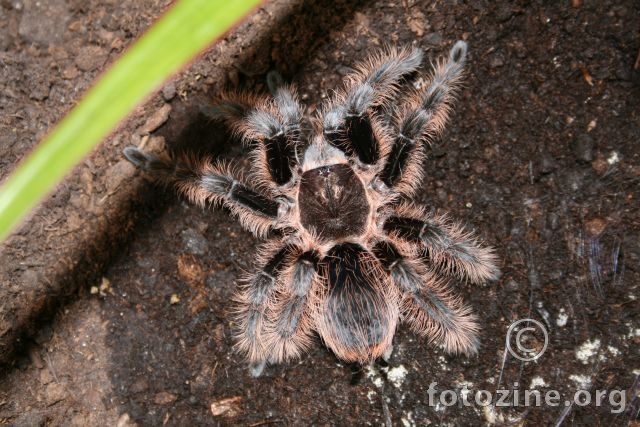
114,299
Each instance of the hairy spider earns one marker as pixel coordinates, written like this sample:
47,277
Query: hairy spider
348,255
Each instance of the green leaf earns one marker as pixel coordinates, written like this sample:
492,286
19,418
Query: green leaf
179,35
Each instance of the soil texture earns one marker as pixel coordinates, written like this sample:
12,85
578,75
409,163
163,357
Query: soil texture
115,296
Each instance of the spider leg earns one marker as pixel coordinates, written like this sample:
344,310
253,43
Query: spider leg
204,182
347,124
291,331
444,244
272,127
422,122
254,301
427,304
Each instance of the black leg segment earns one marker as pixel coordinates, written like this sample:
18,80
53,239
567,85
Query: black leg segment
280,153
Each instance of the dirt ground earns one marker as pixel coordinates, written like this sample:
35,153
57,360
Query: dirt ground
114,299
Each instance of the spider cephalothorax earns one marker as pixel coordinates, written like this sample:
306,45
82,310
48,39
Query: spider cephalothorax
348,255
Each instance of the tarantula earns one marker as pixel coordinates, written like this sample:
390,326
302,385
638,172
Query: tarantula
348,255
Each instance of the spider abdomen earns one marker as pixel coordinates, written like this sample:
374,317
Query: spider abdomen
333,202
359,311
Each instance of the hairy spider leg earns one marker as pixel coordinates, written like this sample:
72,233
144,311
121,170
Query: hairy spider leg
428,305
443,244
347,124
203,183
271,127
421,122
253,305
291,332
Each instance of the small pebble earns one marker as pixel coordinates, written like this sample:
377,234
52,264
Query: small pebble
497,61
125,421
512,285
229,407
158,118
194,242
595,227
164,398
433,39
547,164
140,385
54,393
41,22
118,173
70,73
169,91
45,376
582,148
91,58
600,165
505,12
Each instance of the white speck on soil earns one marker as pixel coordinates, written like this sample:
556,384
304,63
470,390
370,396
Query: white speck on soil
613,351
397,375
374,376
633,332
489,414
562,318
537,382
494,416
442,361
371,395
613,158
587,350
465,389
407,420
464,383
582,381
